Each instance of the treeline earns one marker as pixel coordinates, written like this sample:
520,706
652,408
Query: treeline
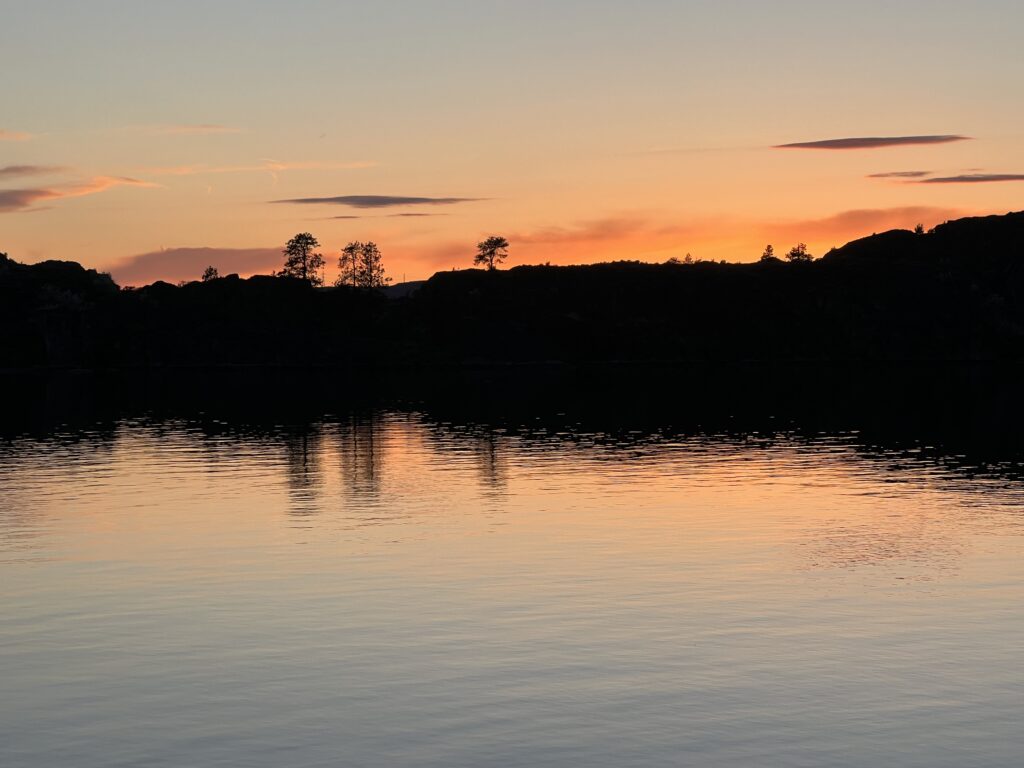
955,293
360,265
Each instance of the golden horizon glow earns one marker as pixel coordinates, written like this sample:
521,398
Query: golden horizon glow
586,132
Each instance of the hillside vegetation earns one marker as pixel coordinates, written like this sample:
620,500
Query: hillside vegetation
955,293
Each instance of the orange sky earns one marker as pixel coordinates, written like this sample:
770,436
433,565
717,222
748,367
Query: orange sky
583,132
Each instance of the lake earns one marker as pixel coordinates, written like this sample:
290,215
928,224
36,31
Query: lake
404,585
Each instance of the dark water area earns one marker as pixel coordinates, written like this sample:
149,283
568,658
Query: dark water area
519,566
969,411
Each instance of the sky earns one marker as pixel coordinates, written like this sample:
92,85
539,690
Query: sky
152,139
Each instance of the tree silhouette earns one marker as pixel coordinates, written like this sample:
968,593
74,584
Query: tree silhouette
769,253
348,265
361,266
371,271
302,260
799,253
210,273
919,229
491,252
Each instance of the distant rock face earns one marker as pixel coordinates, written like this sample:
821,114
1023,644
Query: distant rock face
894,244
977,237
403,290
47,311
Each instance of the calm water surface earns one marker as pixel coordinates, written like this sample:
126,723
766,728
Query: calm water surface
391,590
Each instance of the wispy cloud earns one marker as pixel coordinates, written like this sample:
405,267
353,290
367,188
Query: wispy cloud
13,200
388,216
651,236
635,235
18,171
175,264
644,237
859,222
974,178
873,142
615,233
202,129
14,135
378,201
597,230
900,175
22,199
267,166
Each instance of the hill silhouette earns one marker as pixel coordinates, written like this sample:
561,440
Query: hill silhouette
952,294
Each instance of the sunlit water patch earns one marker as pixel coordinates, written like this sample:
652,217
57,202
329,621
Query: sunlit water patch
391,590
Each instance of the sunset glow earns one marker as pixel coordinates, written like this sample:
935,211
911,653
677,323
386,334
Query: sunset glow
581,131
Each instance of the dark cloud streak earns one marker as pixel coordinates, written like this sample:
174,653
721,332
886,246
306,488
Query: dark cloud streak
974,178
387,216
900,175
16,171
25,199
377,201
873,142
22,199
